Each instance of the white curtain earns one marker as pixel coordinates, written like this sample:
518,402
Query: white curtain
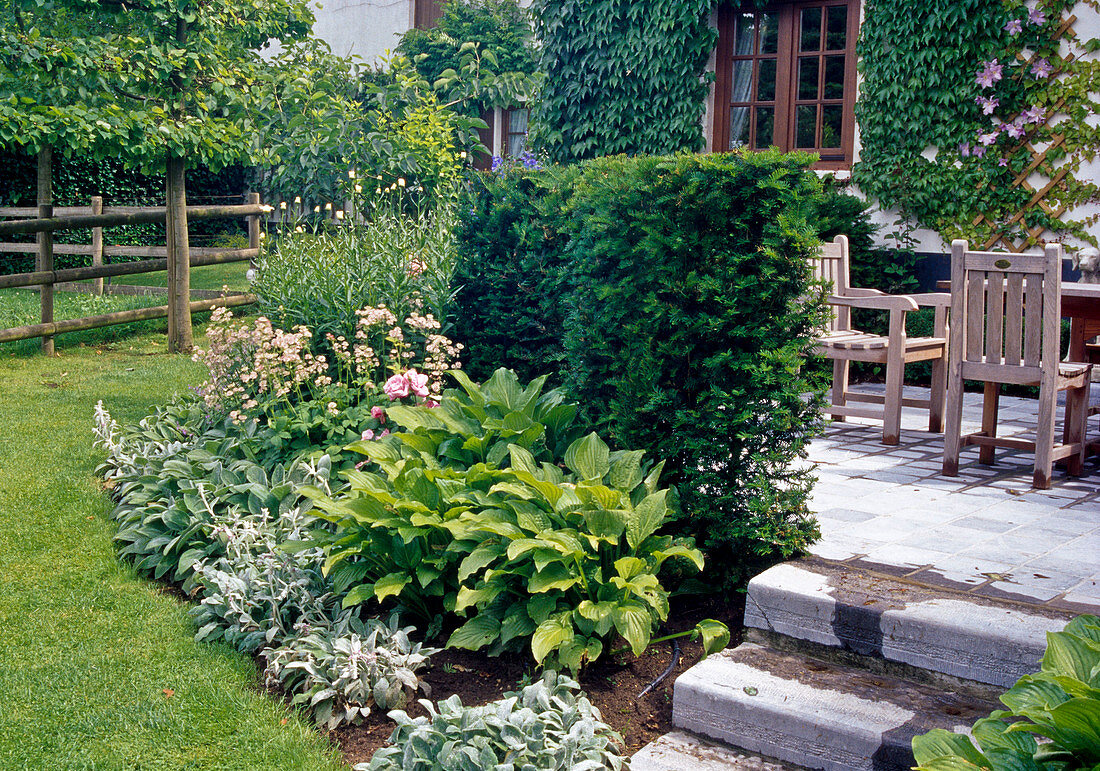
741,90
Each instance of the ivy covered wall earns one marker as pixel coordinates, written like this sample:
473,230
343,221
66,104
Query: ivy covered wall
977,118
622,76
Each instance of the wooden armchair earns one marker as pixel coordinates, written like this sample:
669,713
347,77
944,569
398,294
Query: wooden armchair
843,344
1006,328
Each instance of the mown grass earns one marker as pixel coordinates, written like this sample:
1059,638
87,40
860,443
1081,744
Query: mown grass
99,669
211,277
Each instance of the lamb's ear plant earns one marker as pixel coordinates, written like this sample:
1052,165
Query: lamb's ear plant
546,725
339,671
1059,705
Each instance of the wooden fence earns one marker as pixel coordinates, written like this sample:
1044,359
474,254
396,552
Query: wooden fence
95,217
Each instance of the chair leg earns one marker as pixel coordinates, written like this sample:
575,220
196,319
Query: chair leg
936,399
1076,426
891,408
991,402
952,435
840,385
1044,439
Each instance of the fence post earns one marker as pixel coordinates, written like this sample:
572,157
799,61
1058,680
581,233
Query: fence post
253,227
179,258
45,240
97,244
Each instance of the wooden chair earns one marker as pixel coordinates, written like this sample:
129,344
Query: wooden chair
843,344
1006,328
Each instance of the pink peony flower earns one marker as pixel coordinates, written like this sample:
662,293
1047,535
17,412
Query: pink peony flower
431,403
378,414
396,387
418,383
385,432
368,435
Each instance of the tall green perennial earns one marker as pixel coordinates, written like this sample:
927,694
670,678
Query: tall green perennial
622,76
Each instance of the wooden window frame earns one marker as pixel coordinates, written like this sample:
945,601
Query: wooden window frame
786,101
508,132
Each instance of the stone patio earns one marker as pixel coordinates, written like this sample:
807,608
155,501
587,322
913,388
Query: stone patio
985,532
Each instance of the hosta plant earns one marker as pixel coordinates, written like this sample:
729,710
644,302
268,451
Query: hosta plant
338,672
456,519
1052,722
547,725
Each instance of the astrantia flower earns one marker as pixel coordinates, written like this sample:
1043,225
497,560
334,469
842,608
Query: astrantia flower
1041,68
1014,27
1036,16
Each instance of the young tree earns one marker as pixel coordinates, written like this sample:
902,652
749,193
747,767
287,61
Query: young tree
159,83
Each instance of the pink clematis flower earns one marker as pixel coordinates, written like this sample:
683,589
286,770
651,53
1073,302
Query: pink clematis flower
1036,16
988,139
1014,27
988,104
396,387
1041,68
992,72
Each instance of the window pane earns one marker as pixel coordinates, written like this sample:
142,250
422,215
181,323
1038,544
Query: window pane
742,81
811,30
517,143
517,121
765,91
765,127
739,126
834,77
806,126
836,29
769,33
807,77
743,35
832,119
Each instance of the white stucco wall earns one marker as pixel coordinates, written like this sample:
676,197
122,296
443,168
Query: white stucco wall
366,29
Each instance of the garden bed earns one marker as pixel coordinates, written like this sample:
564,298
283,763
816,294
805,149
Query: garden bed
612,685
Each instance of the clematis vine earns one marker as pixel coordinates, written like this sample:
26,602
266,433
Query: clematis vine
991,73
1041,68
1014,27
1036,16
988,104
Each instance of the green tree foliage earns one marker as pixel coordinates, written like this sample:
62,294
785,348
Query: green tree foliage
621,77
143,81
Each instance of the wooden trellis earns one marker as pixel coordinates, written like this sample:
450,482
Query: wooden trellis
1004,233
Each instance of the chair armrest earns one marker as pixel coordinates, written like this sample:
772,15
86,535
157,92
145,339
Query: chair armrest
876,302
856,291
932,299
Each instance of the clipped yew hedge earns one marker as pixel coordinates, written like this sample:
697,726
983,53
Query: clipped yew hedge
667,294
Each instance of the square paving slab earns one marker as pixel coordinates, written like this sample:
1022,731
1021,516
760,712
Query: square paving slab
986,532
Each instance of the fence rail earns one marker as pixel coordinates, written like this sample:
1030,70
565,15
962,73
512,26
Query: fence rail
96,218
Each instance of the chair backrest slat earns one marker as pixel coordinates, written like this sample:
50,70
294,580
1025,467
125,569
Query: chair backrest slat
1014,318
1007,307
830,266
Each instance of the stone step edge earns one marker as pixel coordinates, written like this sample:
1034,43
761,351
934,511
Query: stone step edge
684,751
878,617
811,713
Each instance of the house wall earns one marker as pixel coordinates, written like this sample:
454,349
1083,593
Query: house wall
367,29
928,241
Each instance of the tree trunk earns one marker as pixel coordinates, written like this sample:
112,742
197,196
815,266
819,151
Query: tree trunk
44,261
179,259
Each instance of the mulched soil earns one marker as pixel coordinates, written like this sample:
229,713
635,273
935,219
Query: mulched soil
612,685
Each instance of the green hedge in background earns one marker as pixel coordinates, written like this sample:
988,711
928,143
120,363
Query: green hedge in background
666,294
76,180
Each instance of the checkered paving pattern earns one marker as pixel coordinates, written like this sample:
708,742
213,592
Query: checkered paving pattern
986,531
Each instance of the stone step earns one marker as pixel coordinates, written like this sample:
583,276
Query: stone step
813,713
682,751
916,626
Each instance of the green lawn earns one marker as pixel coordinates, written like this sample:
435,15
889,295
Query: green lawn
99,669
213,277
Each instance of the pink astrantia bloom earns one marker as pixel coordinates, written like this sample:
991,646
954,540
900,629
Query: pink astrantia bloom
396,387
417,383
1041,68
1014,27
992,72
1036,16
988,104
378,414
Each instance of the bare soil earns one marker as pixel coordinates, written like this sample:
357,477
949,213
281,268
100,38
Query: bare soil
613,684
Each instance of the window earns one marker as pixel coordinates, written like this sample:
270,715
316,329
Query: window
515,132
786,77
